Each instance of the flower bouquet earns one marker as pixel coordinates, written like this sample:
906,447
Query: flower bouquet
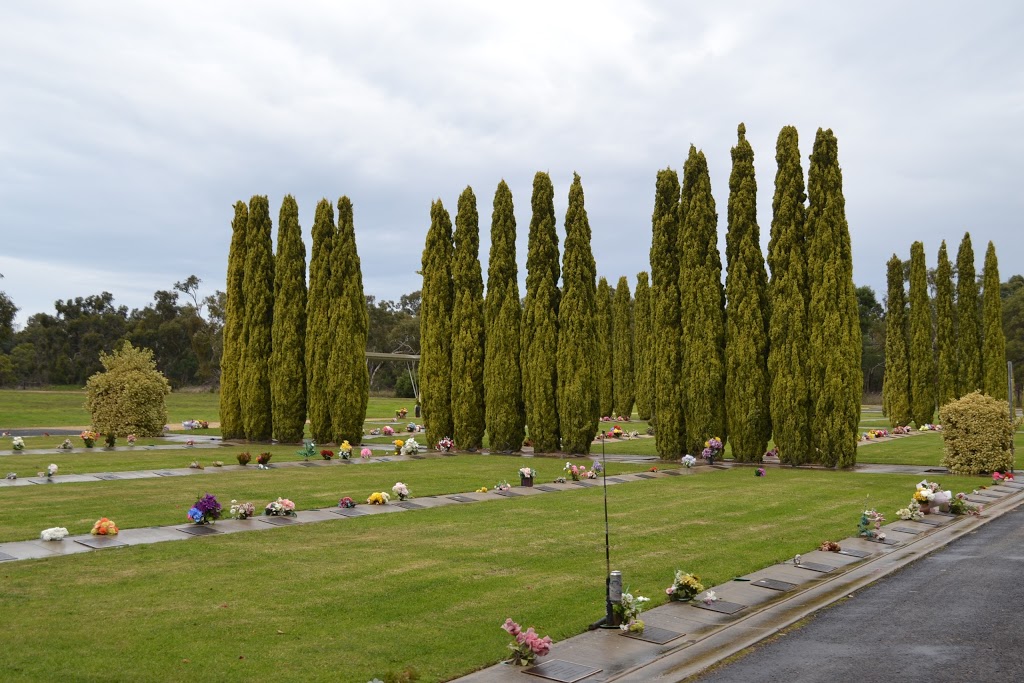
326,454
616,432
65,445
445,445
482,489
51,470
243,458
104,527
998,477
411,427
575,471
684,587
378,498
870,526
759,472
242,510
401,490
911,513
18,444
401,413
688,461
346,502
365,453
307,451
217,463
772,453
206,510
282,507
709,597
110,439
131,439
829,547
375,431
12,476
959,505
345,450
89,437
712,449
628,610
56,533
411,447
559,480
502,486
527,645
195,465
398,443
263,458
924,495
526,475
387,430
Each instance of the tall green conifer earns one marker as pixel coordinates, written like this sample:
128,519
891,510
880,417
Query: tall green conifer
539,347
288,357
787,324
577,316
702,311
746,347
435,327
468,328
318,325
349,378
258,282
968,334
836,378
231,426
994,349
945,329
668,416
922,360
643,348
896,385
622,321
503,388
605,350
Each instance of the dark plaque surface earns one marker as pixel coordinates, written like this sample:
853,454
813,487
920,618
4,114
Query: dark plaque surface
278,521
720,606
101,542
884,541
774,585
645,476
200,530
418,457
584,484
4,557
462,499
384,459
348,512
308,464
938,470
561,670
546,488
167,474
930,522
943,514
107,477
816,567
854,553
508,494
1013,484
986,494
906,530
614,480
653,634
673,473
409,505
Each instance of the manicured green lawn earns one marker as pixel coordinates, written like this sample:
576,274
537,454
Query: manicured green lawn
920,449
353,599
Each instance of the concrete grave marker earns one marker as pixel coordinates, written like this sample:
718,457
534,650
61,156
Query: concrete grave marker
653,634
561,671
774,584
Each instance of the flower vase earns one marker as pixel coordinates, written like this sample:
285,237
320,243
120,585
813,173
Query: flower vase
526,481
926,509
88,443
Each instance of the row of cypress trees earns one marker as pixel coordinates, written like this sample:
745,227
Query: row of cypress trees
289,353
935,356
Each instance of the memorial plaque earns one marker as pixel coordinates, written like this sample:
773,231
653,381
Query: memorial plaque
584,484
720,606
985,494
409,505
384,459
774,585
462,499
549,489
348,512
98,542
167,474
4,557
201,530
508,494
653,634
906,530
418,457
854,553
278,521
308,464
938,470
562,671
614,480
943,514
673,473
930,522
644,476
883,541
816,567
107,477
1013,484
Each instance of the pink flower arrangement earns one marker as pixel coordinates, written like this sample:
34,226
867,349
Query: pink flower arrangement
387,431
998,477
527,645
365,453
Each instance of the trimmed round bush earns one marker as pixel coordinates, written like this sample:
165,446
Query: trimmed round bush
977,434
127,397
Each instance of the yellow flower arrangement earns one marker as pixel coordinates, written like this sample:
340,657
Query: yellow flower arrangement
378,498
398,443
482,489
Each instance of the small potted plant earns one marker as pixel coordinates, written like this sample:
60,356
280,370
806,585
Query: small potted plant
110,439
526,475
307,451
243,458
264,458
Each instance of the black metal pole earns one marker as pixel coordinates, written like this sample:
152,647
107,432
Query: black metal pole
609,609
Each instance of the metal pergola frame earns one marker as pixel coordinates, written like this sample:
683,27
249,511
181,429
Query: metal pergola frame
409,358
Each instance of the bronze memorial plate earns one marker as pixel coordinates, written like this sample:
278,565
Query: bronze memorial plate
562,671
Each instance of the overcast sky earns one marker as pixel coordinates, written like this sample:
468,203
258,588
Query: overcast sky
128,129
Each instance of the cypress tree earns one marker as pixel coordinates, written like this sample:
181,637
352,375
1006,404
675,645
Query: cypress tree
622,320
702,310
896,385
468,328
288,355
231,426
787,324
643,348
258,283
746,334
318,325
994,349
435,327
945,329
348,376
605,350
968,337
539,347
668,416
922,362
836,378
503,389
577,315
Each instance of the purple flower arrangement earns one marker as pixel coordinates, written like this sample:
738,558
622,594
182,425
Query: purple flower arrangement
205,510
